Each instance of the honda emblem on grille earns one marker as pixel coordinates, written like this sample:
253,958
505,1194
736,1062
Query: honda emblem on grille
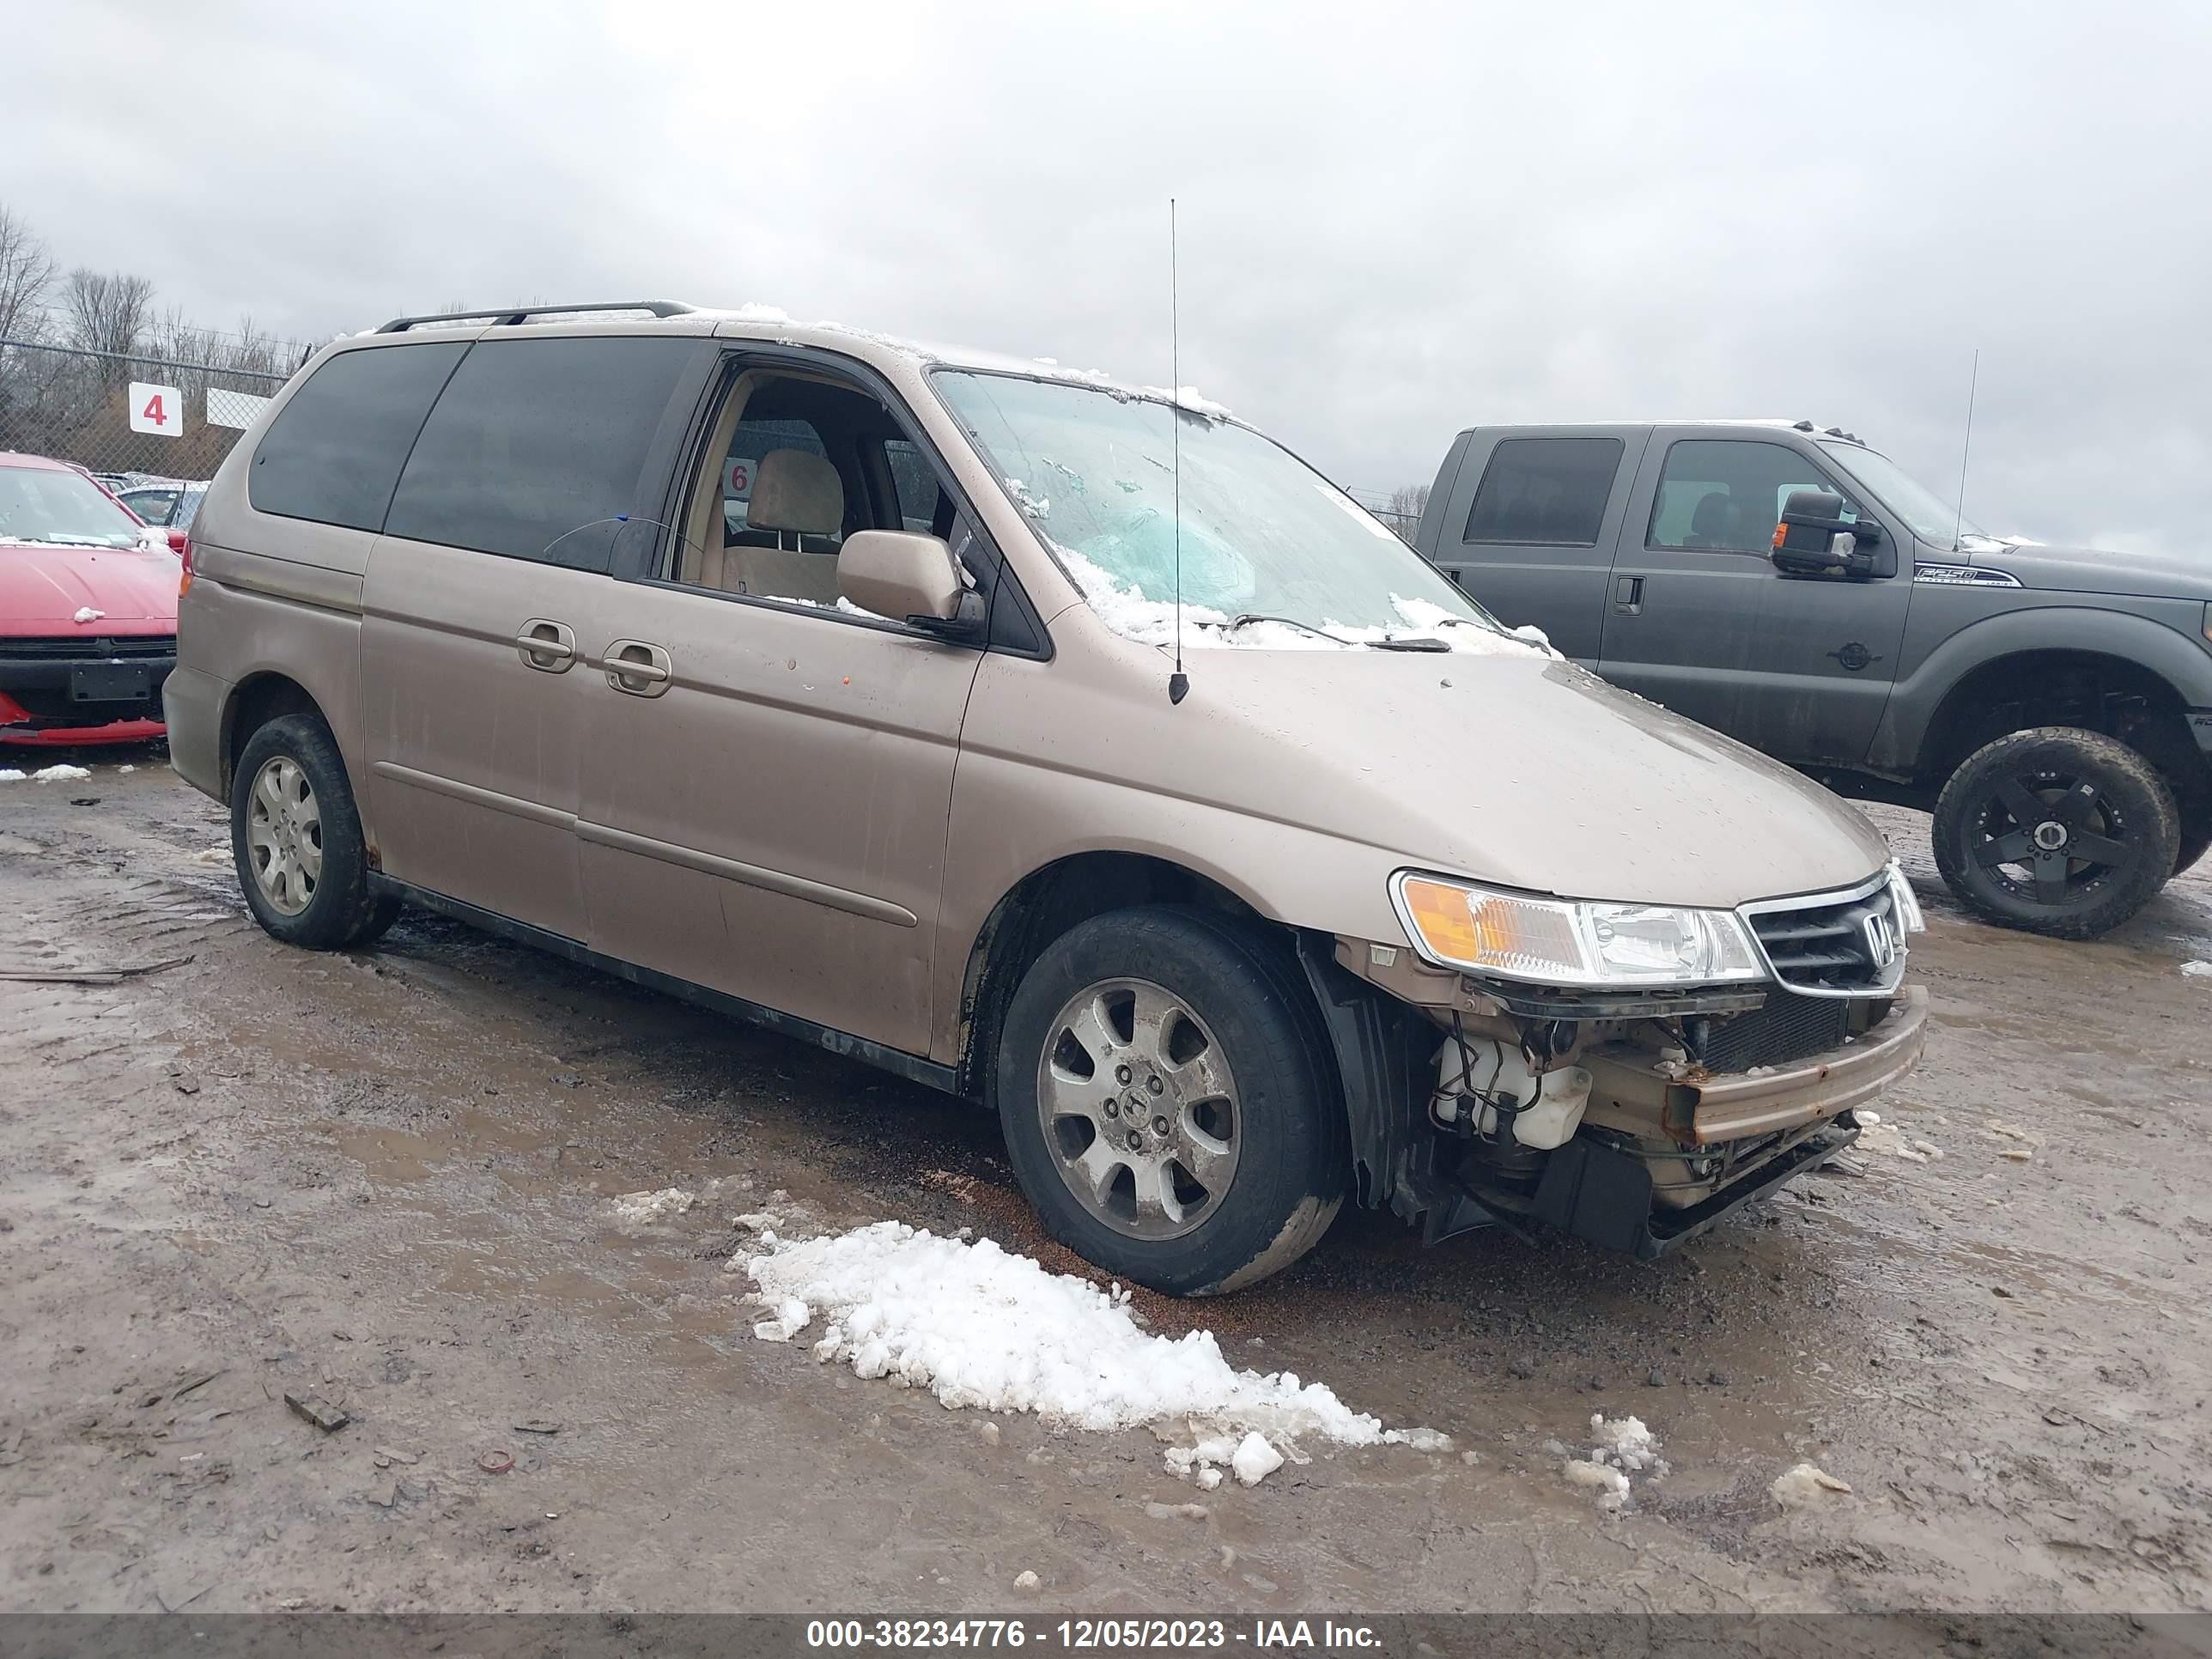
1882,941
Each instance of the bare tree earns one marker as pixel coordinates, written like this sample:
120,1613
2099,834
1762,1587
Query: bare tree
107,312
1407,503
26,275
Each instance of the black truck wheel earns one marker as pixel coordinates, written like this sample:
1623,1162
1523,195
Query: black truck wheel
2058,831
1168,1103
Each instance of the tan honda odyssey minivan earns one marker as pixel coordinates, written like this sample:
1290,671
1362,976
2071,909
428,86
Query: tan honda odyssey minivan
831,682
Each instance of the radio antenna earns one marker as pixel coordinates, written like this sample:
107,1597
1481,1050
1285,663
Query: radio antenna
1178,682
1958,529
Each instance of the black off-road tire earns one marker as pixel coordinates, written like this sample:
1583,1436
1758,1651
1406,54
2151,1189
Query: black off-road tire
1293,1159
2127,809
343,913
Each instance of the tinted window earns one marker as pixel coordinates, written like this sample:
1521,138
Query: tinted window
335,450
916,481
1723,495
1552,490
534,440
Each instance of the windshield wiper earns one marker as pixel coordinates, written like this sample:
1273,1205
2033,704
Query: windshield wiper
1242,617
1409,643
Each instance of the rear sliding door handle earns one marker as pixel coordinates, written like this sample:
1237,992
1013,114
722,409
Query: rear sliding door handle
548,646
1628,594
638,668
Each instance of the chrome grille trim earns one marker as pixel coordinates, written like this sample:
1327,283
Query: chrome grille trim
1822,945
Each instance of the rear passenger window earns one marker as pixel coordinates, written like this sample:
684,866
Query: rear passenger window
334,450
1546,490
535,446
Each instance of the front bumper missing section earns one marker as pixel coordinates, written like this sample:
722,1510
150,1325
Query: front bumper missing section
1605,1196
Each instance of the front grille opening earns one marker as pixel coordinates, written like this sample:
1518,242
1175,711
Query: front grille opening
1789,1028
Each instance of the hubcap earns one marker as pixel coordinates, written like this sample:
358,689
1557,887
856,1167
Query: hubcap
285,837
1138,1108
2052,837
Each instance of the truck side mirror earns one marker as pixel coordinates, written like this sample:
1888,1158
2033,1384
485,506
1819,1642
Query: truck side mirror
1814,538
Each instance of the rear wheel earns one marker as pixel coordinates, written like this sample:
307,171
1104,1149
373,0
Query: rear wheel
2057,831
296,837
1169,1103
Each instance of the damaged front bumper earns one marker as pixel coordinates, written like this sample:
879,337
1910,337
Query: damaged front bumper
1721,1140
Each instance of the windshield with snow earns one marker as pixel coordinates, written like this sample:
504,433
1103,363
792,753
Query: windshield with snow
1933,520
39,504
1272,554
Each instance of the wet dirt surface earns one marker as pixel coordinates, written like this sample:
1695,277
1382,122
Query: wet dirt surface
384,1179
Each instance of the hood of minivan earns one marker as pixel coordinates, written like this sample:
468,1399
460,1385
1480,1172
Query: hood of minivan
44,585
2090,570
1530,772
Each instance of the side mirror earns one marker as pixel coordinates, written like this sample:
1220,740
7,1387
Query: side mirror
908,577
1814,538
179,539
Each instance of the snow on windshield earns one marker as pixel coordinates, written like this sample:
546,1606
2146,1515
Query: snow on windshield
1139,500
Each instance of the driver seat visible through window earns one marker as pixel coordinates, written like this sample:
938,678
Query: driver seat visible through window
796,498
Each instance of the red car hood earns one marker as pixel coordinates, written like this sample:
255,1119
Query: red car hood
43,587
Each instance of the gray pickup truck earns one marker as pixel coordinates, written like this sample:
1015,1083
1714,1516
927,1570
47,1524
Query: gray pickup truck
1799,591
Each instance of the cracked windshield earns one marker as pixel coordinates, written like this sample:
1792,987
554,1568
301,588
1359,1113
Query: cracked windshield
1271,549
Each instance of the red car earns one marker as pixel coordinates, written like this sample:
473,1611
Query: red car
87,611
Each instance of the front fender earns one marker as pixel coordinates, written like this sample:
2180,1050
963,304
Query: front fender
2061,624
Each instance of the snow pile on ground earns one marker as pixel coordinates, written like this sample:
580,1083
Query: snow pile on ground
1624,1448
58,774
2198,970
978,1327
643,1209
11,774
1130,613
1803,1487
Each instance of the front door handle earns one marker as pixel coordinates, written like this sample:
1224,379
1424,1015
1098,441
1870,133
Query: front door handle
638,667
549,647
1628,595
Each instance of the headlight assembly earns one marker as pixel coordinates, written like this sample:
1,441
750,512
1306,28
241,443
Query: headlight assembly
1482,930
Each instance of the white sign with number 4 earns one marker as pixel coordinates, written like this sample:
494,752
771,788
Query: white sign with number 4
157,408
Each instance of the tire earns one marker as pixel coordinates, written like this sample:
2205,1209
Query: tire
2196,829
296,837
2056,831
1223,1046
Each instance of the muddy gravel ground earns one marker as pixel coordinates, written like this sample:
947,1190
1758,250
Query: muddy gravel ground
384,1179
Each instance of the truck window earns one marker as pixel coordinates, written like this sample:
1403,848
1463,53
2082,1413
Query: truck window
1551,491
1724,495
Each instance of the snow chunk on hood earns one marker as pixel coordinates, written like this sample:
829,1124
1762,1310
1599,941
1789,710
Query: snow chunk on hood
978,1327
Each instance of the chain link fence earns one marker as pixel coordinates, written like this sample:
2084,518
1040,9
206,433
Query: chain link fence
138,422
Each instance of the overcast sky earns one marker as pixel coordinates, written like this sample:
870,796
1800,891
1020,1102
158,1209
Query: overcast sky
1395,222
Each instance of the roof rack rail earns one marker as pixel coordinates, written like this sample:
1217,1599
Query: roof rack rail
498,315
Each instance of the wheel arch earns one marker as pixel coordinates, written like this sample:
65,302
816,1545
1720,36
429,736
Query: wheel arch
1048,901
253,703
2091,685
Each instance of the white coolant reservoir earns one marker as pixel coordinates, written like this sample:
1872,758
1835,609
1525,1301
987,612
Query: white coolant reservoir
1485,1070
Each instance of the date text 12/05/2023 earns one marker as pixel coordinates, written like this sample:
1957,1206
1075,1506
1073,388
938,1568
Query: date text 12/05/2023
1085,1635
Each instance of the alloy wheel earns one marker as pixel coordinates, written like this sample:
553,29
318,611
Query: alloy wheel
1139,1108
284,835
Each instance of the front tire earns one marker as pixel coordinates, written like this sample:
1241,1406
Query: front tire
2057,831
1169,1102
296,838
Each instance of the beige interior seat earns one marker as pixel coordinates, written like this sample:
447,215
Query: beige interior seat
795,496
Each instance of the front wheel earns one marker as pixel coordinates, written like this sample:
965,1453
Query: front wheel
1168,1103
296,837
2057,831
